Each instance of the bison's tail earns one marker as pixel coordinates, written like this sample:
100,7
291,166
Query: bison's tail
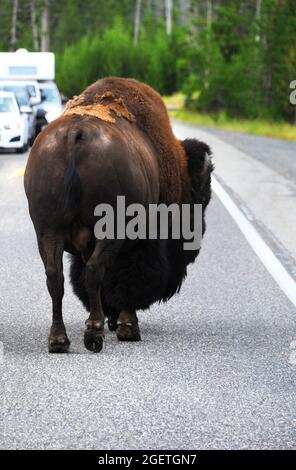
72,183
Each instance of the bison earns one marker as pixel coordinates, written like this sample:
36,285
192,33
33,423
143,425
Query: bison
113,139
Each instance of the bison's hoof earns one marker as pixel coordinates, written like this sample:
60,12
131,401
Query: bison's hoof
128,332
58,344
112,325
93,340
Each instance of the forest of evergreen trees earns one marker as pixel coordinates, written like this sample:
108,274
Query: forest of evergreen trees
234,56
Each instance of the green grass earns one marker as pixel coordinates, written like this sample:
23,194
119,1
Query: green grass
280,130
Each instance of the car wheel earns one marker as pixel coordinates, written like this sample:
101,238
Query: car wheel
23,149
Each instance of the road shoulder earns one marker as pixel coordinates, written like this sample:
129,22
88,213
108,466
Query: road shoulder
264,195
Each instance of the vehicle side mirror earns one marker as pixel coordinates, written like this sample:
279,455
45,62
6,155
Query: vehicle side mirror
26,110
34,101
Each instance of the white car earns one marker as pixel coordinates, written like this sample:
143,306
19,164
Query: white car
19,88
14,130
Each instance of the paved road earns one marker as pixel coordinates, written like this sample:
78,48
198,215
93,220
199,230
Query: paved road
274,153
266,196
215,367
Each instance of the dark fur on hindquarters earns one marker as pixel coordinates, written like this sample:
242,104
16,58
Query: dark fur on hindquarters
137,278
151,270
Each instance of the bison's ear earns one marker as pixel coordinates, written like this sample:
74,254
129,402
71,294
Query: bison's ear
198,156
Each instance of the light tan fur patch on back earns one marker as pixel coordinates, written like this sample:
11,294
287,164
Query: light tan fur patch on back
75,101
105,107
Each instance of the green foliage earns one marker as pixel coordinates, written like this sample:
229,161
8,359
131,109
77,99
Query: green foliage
152,59
70,27
241,65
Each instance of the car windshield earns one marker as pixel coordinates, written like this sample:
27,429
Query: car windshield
7,105
51,95
21,94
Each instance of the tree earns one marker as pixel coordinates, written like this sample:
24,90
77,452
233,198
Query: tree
137,22
13,25
70,27
184,9
209,13
169,16
45,27
34,25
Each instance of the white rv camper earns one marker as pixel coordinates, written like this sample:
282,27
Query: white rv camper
24,65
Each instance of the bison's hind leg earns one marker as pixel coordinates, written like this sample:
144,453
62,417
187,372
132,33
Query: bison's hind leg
128,326
112,315
77,277
102,258
51,248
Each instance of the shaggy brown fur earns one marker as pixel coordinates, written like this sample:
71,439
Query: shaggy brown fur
137,101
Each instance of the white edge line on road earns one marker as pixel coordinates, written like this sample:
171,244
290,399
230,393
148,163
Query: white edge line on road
262,250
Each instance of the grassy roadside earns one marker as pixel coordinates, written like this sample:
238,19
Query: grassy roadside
279,130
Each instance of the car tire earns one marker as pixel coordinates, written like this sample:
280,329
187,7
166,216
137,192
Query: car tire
23,149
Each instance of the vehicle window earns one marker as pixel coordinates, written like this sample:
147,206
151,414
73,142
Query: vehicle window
32,90
51,95
7,105
21,94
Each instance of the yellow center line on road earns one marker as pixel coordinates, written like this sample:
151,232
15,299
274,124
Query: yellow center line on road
20,172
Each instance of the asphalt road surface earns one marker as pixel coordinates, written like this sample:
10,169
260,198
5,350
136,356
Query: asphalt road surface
216,366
